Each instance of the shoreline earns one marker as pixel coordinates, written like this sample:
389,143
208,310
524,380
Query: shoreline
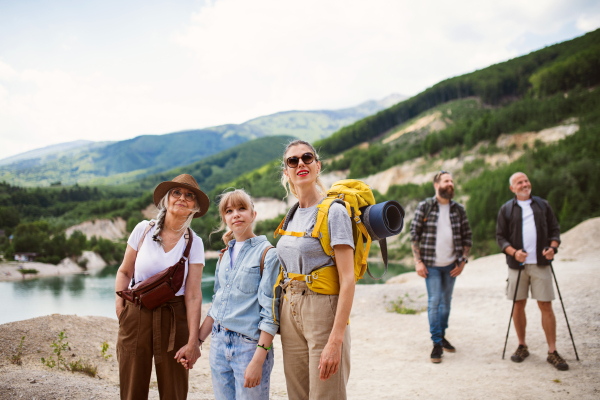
9,270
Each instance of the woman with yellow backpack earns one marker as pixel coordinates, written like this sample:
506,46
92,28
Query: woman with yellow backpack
314,328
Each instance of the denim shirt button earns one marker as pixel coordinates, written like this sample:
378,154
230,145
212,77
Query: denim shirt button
227,285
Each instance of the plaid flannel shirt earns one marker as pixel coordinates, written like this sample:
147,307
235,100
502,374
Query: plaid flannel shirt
424,232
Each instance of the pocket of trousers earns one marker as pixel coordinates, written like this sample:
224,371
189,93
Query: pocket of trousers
248,339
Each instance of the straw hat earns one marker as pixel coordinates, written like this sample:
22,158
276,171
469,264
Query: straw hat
184,181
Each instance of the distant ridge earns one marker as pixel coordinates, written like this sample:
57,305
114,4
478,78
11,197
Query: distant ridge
44,151
128,160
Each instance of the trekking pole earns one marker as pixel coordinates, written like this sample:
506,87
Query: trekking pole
564,311
511,311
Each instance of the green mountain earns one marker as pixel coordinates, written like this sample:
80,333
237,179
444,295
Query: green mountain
128,160
227,165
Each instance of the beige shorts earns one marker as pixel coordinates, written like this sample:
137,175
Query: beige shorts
539,278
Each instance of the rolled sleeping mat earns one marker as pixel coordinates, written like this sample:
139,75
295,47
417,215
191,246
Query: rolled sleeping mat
383,220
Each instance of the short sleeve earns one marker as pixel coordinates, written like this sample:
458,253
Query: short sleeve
197,251
340,226
136,235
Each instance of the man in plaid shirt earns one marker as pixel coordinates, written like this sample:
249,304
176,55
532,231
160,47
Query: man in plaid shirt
441,242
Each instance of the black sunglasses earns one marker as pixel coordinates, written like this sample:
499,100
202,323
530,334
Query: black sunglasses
307,158
189,196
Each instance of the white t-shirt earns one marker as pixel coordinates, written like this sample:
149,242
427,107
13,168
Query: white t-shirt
529,232
445,253
236,250
151,259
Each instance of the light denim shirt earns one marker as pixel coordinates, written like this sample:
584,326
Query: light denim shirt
243,300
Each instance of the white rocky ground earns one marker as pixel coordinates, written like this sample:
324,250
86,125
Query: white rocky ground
101,228
390,352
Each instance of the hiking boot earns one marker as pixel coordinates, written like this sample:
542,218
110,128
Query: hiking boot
447,346
436,354
521,354
557,361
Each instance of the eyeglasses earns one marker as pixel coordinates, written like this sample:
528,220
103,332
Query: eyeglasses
307,158
189,196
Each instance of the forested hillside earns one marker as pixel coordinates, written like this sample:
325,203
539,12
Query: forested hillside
544,72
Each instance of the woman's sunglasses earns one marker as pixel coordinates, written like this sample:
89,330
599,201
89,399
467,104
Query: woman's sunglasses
189,196
307,158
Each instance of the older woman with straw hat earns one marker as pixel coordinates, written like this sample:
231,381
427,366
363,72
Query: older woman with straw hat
158,333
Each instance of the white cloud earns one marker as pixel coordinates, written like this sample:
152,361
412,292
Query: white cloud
588,23
236,59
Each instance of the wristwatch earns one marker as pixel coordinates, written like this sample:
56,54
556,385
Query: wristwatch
461,259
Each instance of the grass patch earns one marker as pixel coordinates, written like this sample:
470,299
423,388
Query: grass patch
83,366
400,306
16,358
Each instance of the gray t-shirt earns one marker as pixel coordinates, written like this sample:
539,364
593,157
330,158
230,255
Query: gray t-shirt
302,255
445,254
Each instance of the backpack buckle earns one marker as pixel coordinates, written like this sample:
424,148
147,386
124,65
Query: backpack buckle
308,279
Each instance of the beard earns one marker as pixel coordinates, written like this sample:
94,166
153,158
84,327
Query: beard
447,192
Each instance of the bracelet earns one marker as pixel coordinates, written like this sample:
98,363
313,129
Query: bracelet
265,348
515,253
201,341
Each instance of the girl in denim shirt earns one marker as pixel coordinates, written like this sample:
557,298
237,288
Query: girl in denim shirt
241,316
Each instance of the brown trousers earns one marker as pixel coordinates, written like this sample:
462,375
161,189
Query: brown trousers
306,322
157,333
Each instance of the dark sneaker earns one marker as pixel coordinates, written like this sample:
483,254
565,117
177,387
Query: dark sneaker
557,361
447,346
436,354
521,354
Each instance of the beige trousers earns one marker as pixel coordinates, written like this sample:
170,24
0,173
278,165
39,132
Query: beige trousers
145,334
306,320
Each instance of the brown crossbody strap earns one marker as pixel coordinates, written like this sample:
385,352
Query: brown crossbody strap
262,259
186,252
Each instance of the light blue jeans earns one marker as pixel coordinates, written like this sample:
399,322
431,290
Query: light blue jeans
230,354
439,292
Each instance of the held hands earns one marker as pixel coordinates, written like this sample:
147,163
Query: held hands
188,355
330,360
421,269
253,373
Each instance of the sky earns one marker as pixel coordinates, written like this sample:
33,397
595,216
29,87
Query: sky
113,70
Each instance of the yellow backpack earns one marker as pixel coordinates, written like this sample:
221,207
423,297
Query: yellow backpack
354,195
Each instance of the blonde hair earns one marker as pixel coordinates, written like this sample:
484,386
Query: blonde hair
237,197
285,180
162,213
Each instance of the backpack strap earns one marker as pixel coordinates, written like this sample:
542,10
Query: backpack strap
540,202
223,252
150,225
262,259
428,207
508,210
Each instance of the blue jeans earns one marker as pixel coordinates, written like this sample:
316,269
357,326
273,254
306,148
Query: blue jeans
439,292
230,354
